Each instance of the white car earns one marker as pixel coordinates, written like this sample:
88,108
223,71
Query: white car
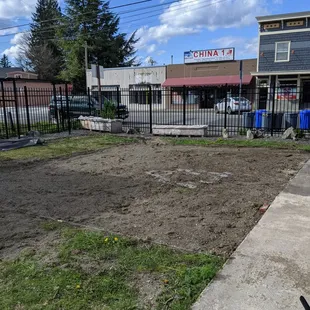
233,105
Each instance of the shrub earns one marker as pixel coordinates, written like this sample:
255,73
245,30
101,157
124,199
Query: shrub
109,110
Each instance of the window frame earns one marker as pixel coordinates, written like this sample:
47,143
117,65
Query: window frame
288,51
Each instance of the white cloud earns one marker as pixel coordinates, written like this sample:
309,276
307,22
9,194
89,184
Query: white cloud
160,34
12,52
193,16
17,38
16,8
151,48
213,14
244,47
160,52
8,31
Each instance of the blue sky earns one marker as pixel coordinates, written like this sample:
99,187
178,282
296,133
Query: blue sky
171,28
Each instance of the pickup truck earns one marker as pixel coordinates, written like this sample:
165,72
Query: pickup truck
82,105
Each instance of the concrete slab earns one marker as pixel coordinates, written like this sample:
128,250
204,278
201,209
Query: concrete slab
271,267
180,130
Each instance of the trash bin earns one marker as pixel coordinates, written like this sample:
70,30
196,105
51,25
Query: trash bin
259,118
290,120
267,121
304,119
248,119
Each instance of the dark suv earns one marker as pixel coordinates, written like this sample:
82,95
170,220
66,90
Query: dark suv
82,105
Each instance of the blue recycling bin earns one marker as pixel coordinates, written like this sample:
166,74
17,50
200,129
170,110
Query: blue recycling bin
304,119
259,118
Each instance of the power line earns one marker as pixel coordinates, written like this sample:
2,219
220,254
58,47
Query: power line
57,26
146,17
57,19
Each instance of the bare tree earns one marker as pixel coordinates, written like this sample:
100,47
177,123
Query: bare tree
151,61
22,55
42,61
39,59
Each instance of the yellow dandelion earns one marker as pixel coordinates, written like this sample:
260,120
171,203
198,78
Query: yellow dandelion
115,239
106,239
78,286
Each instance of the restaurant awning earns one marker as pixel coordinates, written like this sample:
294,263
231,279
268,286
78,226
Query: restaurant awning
208,81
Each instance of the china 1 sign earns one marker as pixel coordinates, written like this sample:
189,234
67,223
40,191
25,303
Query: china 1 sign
224,54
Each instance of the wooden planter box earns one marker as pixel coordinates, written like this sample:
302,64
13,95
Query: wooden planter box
101,124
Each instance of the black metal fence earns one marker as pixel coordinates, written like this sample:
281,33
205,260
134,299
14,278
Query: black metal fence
269,109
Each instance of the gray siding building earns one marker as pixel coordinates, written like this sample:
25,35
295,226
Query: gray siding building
283,64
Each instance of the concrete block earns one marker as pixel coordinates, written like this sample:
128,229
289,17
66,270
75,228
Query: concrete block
289,133
225,133
180,130
101,124
250,135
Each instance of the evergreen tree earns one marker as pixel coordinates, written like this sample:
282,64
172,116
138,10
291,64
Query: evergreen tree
4,62
44,52
92,22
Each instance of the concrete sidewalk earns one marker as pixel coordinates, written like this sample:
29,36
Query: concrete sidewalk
271,267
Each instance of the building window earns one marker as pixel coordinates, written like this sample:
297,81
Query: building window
17,76
282,51
139,94
287,90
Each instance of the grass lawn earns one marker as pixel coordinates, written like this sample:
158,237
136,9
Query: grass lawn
90,270
71,145
65,147
242,143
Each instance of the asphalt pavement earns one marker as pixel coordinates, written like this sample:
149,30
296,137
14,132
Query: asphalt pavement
139,119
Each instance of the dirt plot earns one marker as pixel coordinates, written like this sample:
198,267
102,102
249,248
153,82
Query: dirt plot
196,198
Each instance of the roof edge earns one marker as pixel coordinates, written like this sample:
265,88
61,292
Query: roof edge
267,18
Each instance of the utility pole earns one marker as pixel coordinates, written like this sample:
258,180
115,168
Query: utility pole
99,85
86,56
86,61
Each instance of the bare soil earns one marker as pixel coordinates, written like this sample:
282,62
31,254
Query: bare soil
194,198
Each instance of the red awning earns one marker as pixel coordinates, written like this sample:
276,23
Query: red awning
208,81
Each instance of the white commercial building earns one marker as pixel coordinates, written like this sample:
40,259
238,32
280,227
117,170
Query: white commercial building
132,84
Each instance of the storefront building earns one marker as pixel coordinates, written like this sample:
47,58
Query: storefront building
205,81
132,83
202,81
283,66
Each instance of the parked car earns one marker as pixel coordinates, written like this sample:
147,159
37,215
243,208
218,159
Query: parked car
233,105
82,105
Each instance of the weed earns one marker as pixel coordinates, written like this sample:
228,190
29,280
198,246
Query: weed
241,143
33,283
51,225
66,147
242,131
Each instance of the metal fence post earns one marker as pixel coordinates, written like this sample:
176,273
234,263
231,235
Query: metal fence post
68,109
27,108
61,114
56,107
16,108
225,114
184,105
118,101
150,104
272,111
89,100
4,111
